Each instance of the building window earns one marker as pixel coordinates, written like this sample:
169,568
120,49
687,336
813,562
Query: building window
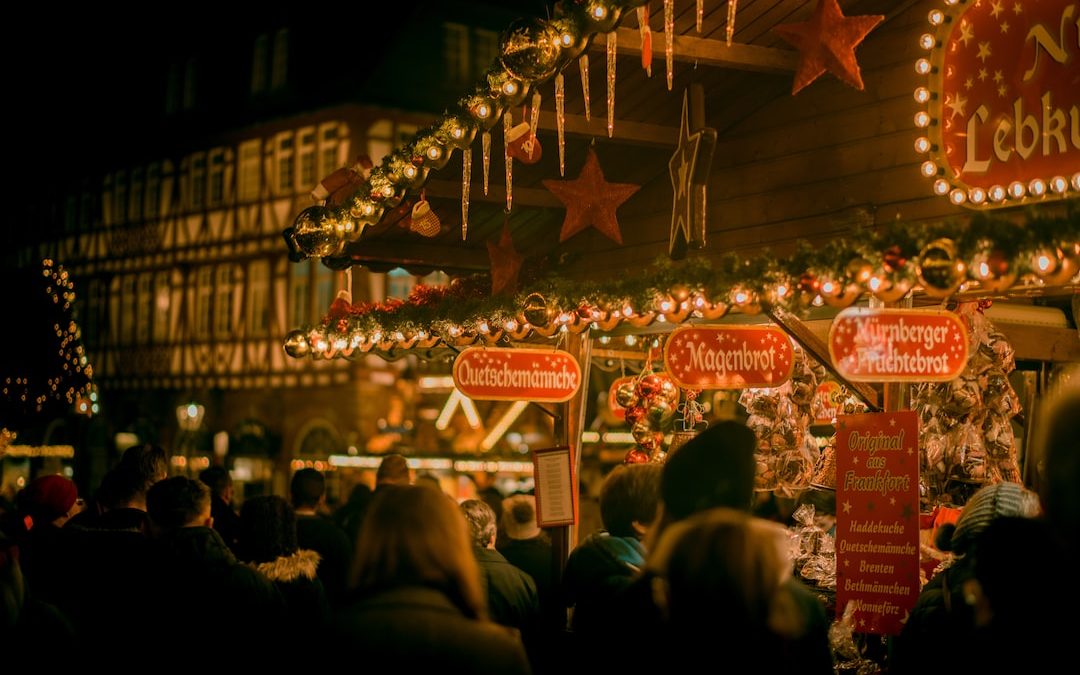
279,70
153,191
286,166
204,290
456,52
190,73
162,302
223,302
308,157
324,289
197,181
259,58
135,200
217,176
329,150
300,294
250,178
485,49
258,301
119,214
127,308
145,309
380,140
399,283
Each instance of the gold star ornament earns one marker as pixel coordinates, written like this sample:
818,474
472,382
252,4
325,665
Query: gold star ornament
689,168
591,201
827,42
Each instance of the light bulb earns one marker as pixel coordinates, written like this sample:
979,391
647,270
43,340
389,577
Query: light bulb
936,17
1044,262
484,327
781,291
874,283
927,41
818,301
666,306
929,169
1016,189
1037,187
957,196
997,193
922,145
511,325
922,66
630,340
599,12
977,195
605,339
410,171
741,297
1058,184
922,119
483,110
510,87
434,152
627,311
941,187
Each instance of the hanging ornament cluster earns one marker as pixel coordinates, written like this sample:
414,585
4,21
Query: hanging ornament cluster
780,418
965,429
888,262
651,401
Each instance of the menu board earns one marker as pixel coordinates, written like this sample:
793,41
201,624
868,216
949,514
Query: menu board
553,473
877,518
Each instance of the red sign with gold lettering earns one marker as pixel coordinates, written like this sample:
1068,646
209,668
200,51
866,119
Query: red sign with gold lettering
898,345
729,357
490,374
827,402
1004,124
877,518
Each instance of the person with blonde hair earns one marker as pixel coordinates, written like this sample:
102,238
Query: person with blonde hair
418,600
721,581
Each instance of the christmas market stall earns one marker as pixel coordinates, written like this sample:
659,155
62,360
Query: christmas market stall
855,228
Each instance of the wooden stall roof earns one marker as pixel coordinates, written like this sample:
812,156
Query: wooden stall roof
815,165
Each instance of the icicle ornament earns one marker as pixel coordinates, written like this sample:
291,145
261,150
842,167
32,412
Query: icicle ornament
583,66
485,159
669,41
646,38
508,124
560,121
729,30
612,52
534,117
700,15
466,184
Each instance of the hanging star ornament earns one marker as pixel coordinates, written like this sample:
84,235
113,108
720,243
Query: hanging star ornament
591,201
827,42
505,264
689,168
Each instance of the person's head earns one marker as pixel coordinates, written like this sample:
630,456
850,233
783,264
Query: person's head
50,499
179,502
519,517
429,481
267,529
481,519
219,481
145,464
1001,500
715,469
725,558
1059,453
413,536
308,488
629,498
393,470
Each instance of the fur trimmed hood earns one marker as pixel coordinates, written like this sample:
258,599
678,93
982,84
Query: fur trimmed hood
288,568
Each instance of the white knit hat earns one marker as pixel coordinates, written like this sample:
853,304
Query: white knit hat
519,517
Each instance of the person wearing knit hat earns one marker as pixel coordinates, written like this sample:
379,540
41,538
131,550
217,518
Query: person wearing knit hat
527,548
942,616
1001,500
46,504
50,499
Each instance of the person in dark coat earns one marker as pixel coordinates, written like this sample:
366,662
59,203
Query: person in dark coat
349,516
607,561
316,532
268,545
418,603
511,594
46,549
527,547
226,522
202,585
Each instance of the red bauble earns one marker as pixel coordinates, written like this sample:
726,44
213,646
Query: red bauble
634,414
636,456
650,385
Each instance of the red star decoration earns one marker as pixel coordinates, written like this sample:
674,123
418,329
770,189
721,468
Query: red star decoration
591,201
505,264
827,42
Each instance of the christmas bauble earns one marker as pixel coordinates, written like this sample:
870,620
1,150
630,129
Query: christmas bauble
940,271
649,385
484,109
860,270
993,269
529,49
626,395
1053,266
888,286
434,153
636,456
669,391
536,310
456,131
403,171
315,232
571,37
659,411
642,431
509,89
635,414
596,16
680,292
296,344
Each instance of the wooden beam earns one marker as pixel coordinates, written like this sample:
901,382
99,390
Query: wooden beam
412,254
706,52
634,133
523,196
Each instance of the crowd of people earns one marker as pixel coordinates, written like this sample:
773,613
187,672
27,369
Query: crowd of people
681,576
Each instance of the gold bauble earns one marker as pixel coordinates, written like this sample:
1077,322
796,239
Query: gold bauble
860,270
529,49
315,232
680,292
457,131
536,311
1054,266
992,269
296,344
940,271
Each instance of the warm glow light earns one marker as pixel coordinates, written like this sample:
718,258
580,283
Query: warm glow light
1037,187
929,169
926,41
1016,189
455,331
605,339
1058,184
922,66
467,406
922,119
818,301
977,195
936,17
781,291
957,196
627,311
941,186
983,270
511,325
399,336
434,152
874,283
483,110
827,287
1076,180
564,318
510,87
483,327
997,193
922,145
666,306
699,302
410,171
741,297
1044,263
630,340
503,424
599,11
438,382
